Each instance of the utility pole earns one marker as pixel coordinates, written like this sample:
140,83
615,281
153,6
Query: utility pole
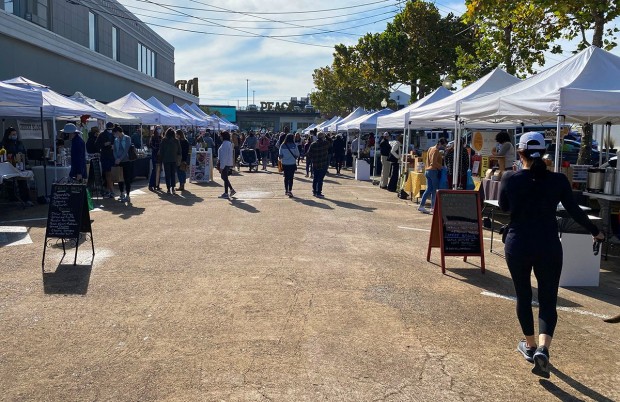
253,102
247,93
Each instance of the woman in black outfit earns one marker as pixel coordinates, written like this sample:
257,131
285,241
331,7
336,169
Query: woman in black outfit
531,195
184,166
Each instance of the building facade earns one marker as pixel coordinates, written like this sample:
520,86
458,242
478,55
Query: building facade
96,47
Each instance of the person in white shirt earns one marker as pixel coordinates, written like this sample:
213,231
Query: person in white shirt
226,162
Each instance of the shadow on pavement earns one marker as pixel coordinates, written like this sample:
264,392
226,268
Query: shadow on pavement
496,283
607,291
123,210
208,184
183,198
311,203
576,385
243,205
349,205
68,279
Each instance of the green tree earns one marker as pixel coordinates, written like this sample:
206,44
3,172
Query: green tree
509,34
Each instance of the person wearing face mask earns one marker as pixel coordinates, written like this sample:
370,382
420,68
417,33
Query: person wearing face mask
434,163
13,146
104,143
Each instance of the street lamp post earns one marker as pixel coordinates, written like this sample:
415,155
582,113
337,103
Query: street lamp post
253,102
247,93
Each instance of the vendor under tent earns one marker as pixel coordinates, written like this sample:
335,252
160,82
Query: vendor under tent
113,114
582,89
334,127
448,108
54,106
196,121
136,106
160,106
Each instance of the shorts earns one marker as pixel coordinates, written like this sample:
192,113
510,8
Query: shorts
106,165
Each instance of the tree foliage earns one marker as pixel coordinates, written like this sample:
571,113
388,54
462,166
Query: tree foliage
418,48
509,34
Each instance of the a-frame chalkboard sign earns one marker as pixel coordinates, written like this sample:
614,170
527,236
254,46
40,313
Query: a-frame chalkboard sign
457,226
68,217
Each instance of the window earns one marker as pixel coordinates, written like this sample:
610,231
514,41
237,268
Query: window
8,6
146,60
36,11
92,31
115,43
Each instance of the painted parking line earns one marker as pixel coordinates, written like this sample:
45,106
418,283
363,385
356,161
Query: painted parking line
535,304
428,230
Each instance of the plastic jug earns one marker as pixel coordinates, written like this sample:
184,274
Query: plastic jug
610,174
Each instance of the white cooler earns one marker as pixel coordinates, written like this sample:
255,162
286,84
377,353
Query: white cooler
362,170
581,267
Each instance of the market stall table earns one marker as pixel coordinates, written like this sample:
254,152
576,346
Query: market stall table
414,184
606,202
54,173
8,172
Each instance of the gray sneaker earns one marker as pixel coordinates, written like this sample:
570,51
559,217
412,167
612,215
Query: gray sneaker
541,362
528,353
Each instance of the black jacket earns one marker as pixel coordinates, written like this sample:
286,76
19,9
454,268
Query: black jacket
385,147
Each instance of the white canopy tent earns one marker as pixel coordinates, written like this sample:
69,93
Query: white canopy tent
366,122
196,121
210,123
15,97
160,106
398,119
309,128
582,89
54,105
447,110
135,105
113,114
327,123
334,127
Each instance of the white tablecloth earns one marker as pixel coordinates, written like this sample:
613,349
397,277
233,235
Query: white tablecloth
54,173
8,171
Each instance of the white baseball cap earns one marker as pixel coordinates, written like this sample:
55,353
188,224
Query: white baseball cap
532,140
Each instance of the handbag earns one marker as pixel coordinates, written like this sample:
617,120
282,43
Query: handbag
392,158
280,168
132,154
116,174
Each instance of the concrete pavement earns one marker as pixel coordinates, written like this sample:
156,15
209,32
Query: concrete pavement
195,298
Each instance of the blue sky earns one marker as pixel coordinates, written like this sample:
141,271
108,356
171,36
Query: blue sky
276,69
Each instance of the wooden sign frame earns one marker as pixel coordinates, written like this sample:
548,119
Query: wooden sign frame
82,224
436,239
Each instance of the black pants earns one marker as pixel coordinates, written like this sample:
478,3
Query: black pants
224,174
289,173
394,173
170,170
127,176
547,267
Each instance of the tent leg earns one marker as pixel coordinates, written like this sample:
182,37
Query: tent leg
556,165
457,153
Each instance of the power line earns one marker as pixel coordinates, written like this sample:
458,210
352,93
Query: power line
293,20
223,10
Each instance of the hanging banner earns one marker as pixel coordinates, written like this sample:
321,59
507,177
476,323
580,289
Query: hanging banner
31,130
201,166
483,142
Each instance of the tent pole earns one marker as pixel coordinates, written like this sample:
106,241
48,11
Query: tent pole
457,153
55,149
374,161
608,141
556,166
600,145
43,149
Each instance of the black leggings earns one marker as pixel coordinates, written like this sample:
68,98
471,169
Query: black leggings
289,173
224,174
547,267
127,176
